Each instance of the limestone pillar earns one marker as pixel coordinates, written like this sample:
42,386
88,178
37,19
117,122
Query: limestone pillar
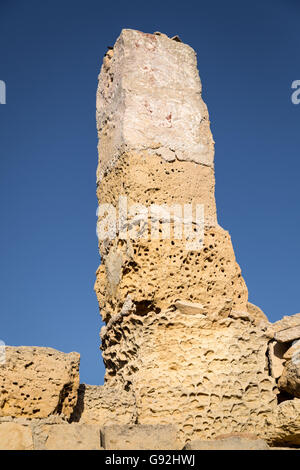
179,334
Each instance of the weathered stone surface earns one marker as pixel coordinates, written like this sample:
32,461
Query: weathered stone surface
283,324
37,382
67,437
139,437
190,308
145,102
231,443
288,335
276,358
293,351
187,356
256,313
216,379
290,378
104,405
242,435
180,335
283,428
14,436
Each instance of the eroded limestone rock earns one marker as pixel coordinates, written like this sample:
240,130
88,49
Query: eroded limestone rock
276,353
283,324
145,102
37,382
256,313
288,335
104,405
189,361
283,428
180,335
293,350
290,378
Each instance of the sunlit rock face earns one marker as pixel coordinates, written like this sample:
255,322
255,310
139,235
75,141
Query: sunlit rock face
190,363
180,336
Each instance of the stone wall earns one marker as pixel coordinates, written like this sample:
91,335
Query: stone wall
38,382
99,417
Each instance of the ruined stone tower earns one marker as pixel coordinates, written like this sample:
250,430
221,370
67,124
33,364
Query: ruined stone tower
190,363
179,335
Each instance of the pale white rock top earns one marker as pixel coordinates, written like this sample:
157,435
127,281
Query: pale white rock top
149,97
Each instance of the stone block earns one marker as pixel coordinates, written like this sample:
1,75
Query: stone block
14,436
231,443
288,335
139,437
37,382
67,437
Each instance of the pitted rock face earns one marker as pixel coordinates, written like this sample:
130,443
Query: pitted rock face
181,343
190,363
37,382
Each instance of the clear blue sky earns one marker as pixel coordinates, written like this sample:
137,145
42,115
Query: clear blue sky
51,53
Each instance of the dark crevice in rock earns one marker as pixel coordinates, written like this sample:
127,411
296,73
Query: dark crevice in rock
79,407
268,360
283,396
63,397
